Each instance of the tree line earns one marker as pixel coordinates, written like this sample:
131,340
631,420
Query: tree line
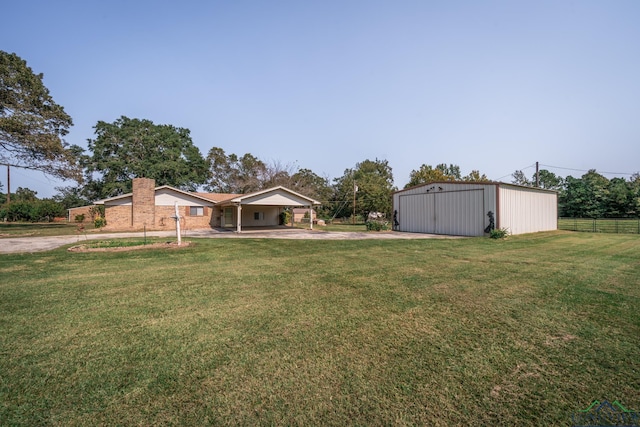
33,126
590,196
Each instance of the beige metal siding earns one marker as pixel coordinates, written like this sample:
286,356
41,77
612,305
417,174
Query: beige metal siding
446,208
460,213
528,210
416,213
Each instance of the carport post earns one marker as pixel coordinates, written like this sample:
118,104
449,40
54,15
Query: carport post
311,217
239,223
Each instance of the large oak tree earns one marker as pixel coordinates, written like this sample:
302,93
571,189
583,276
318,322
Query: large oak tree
32,125
134,148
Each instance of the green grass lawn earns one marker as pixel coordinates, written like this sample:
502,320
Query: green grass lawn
523,331
28,229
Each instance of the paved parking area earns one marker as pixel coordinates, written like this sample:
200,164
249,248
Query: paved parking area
38,244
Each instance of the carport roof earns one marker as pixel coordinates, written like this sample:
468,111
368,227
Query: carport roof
294,198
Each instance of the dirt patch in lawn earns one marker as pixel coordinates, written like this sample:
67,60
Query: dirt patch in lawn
161,245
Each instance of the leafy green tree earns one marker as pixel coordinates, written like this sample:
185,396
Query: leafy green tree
306,182
373,182
442,172
475,176
451,171
277,173
597,194
427,173
548,180
25,195
221,171
620,199
634,188
47,210
134,148
519,178
572,200
233,174
585,197
3,196
310,184
70,197
32,125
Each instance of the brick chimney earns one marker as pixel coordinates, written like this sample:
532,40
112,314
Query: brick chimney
143,202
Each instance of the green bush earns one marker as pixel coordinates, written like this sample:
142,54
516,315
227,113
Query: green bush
377,225
79,218
99,222
20,211
285,217
96,211
499,233
47,210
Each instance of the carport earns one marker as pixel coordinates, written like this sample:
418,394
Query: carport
262,208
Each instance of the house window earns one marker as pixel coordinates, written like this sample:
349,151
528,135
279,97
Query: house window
257,216
196,211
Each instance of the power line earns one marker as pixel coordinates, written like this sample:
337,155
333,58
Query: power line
587,170
569,169
521,169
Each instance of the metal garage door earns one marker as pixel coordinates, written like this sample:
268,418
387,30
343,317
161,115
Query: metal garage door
459,213
417,213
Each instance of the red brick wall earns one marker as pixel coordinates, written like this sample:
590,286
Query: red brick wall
144,202
144,213
194,222
118,217
82,210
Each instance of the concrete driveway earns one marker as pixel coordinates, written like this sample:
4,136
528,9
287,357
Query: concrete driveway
38,244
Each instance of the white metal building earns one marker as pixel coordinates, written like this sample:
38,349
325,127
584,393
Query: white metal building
461,208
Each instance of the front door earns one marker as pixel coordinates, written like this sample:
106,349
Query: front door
228,217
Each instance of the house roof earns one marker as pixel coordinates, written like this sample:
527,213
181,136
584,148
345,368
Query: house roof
162,187
219,197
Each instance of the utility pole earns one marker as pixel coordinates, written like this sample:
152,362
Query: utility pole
8,184
355,188
537,175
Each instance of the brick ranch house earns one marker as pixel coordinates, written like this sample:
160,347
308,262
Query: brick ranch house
154,208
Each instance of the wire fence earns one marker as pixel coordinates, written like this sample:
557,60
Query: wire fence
601,225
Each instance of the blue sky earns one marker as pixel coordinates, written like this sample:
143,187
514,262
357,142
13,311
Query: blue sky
487,85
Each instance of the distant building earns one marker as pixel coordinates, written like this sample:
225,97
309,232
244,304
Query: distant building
299,214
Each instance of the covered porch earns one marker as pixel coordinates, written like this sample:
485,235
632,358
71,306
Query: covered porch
262,209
